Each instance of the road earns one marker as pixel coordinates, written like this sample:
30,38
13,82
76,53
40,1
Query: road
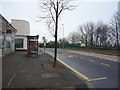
102,73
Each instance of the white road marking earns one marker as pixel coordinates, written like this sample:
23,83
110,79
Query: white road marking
12,79
91,60
15,72
82,57
21,64
105,64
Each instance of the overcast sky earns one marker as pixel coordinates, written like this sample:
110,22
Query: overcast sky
87,10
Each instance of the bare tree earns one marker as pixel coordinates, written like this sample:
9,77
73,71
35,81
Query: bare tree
90,29
115,29
63,41
86,32
52,9
73,37
101,34
79,37
93,34
83,33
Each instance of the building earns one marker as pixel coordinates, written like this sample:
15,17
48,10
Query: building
22,26
7,37
119,7
21,42
23,30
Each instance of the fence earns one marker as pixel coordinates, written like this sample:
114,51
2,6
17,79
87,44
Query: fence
78,46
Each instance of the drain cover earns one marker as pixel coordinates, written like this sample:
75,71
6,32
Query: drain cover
49,75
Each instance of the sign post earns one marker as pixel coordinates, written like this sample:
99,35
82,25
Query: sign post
44,41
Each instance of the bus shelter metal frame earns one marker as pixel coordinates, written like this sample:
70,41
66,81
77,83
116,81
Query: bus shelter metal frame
32,45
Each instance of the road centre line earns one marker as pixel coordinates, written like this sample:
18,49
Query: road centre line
105,64
70,56
91,60
82,57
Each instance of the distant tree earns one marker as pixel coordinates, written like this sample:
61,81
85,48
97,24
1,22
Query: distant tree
82,33
115,29
73,37
86,32
51,10
51,42
90,29
101,34
93,34
79,37
63,41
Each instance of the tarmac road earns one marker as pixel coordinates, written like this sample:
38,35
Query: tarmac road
102,73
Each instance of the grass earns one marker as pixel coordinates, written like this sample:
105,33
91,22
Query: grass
59,66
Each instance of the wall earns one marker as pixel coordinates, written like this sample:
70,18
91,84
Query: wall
6,38
8,44
0,36
22,26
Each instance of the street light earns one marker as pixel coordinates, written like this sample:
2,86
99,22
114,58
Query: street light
63,34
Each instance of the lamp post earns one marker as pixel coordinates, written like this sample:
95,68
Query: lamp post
63,34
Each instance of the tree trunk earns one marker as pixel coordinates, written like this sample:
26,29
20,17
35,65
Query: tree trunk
55,53
86,41
91,40
56,27
117,36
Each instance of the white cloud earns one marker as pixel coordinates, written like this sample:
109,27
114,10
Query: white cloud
18,0
0,7
97,0
75,0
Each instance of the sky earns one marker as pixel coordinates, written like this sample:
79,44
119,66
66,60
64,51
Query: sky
86,10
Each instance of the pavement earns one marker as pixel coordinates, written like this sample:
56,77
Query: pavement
23,72
99,55
99,52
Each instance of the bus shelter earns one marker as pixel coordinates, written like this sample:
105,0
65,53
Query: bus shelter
32,45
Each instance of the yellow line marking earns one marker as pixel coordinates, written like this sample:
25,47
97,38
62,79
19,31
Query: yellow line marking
91,60
105,64
80,74
97,79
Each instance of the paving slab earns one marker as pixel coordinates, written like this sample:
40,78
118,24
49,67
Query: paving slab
20,71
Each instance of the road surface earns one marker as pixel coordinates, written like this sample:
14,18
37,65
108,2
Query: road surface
102,72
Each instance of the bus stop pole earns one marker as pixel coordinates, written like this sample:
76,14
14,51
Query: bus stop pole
44,46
